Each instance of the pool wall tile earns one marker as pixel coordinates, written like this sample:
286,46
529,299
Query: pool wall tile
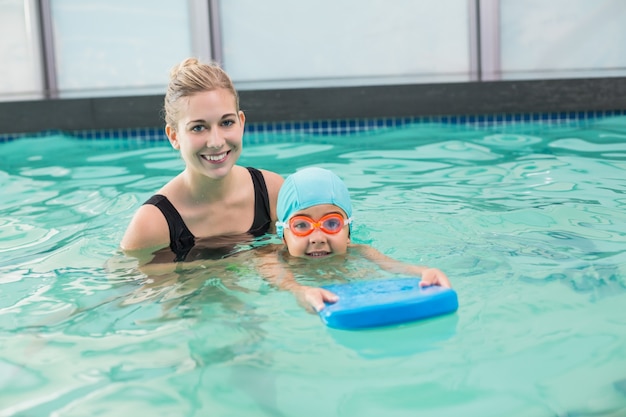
264,131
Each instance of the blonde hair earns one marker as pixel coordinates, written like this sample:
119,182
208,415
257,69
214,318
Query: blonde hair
190,77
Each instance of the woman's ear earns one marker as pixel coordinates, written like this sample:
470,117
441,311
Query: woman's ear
172,136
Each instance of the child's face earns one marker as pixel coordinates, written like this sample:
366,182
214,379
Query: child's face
318,244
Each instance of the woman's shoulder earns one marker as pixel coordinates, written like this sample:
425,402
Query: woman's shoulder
147,229
273,180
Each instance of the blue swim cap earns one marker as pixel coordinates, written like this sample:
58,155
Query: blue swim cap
311,187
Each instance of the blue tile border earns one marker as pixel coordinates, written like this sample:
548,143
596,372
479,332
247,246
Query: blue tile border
145,135
260,132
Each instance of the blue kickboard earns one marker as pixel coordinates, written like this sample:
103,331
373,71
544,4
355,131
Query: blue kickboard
385,302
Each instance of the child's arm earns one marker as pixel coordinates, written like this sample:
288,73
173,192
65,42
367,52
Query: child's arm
311,298
430,276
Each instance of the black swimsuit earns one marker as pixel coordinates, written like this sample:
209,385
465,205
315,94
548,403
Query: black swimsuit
181,238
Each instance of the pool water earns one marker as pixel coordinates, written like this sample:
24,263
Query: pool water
527,220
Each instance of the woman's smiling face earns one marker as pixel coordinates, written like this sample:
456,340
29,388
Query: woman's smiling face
209,134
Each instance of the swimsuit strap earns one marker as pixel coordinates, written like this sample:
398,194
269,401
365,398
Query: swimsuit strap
181,238
262,218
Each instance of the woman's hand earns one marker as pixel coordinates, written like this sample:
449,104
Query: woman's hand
434,276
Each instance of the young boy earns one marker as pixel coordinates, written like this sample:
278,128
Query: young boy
314,220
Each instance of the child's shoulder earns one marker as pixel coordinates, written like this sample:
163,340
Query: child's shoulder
362,248
366,251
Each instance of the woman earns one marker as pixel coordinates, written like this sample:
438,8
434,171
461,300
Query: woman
214,203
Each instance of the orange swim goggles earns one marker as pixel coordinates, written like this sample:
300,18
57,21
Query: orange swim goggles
304,225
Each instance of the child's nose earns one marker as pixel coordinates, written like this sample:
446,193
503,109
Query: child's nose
318,236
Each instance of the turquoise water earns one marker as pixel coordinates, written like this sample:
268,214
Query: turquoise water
527,220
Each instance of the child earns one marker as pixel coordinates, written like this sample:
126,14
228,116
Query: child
212,197
314,220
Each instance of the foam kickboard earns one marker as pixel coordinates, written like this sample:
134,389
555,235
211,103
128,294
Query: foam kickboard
385,302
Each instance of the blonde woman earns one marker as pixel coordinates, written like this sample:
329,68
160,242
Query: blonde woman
213,203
